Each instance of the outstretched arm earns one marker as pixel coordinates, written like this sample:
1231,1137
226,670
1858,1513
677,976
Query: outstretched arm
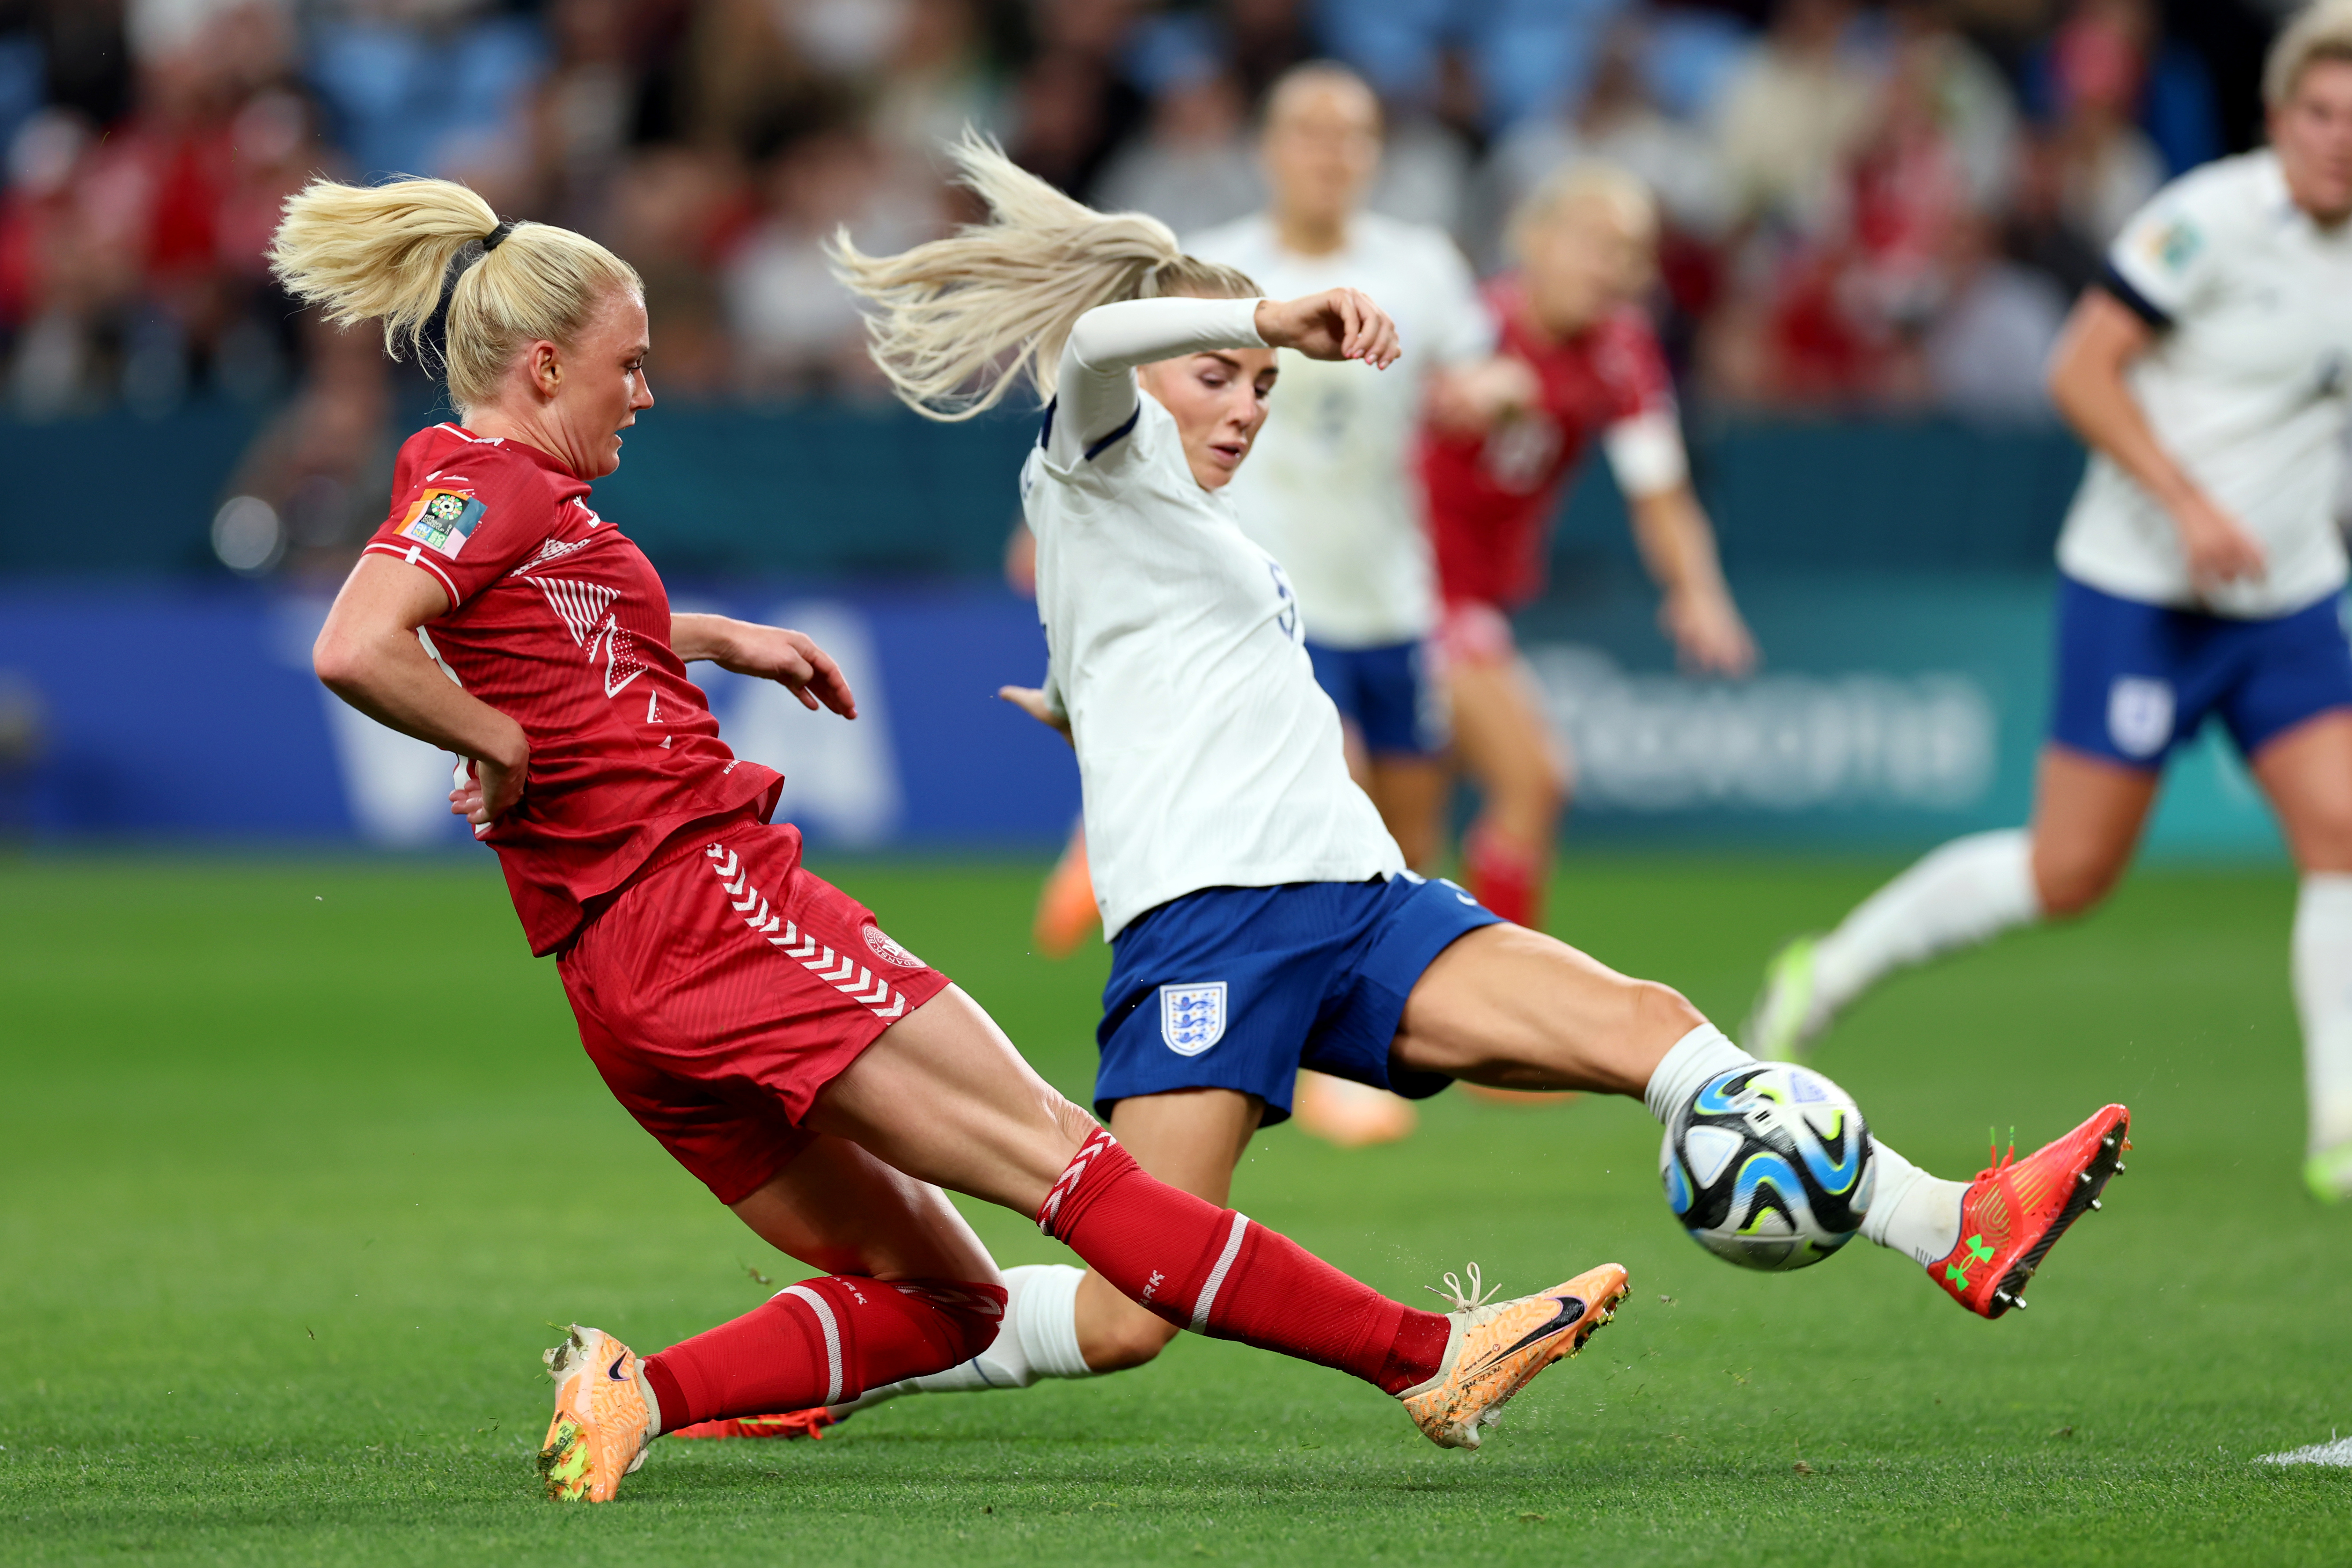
1695,607
1096,392
767,652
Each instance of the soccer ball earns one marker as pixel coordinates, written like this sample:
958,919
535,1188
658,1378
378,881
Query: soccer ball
1768,1167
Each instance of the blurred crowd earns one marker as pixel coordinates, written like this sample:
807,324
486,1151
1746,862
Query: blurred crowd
1875,204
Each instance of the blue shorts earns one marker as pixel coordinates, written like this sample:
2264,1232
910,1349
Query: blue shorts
1238,987
1390,694
2137,681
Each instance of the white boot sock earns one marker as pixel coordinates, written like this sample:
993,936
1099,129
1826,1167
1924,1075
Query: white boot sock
1695,1057
1911,1211
1970,890
1038,1338
2323,999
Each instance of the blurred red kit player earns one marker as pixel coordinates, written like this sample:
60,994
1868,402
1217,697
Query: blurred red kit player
1577,360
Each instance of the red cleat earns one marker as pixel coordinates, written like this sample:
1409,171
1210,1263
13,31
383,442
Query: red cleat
2015,1210
809,1423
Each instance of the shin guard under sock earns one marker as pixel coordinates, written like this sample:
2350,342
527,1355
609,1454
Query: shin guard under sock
821,1342
1218,1273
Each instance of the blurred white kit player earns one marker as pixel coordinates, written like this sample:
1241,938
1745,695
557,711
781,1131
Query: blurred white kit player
2202,573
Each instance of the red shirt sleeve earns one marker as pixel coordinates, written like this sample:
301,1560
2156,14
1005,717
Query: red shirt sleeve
468,516
1629,363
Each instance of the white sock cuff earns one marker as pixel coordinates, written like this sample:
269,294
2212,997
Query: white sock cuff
1046,1318
1694,1058
2325,895
2004,857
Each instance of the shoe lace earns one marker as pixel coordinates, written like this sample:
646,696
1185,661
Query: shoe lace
1997,1162
1459,1300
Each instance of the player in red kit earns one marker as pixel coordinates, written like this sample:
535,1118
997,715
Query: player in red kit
1578,360
818,1078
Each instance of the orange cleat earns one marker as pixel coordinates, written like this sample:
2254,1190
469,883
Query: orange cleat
2016,1210
1352,1115
810,1422
604,1418
1066,914
1495,1351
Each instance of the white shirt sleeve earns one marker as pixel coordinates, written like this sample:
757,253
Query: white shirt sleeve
1096,395
1645,452
2162,262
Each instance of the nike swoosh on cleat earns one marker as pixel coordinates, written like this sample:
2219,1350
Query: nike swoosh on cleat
1569,1313
615,1372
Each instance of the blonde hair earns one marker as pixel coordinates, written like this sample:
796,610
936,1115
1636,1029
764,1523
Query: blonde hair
954,322
385,251
2322,31
1573,184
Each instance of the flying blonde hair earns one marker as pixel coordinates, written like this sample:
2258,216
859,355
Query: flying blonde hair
385,251
954,322
2322,31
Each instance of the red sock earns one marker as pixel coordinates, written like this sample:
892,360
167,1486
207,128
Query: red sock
1219,1272
1505,877
821,1342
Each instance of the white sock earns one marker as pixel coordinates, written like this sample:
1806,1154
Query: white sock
2322,999
1967,892
1911,1211
1038,1338
1694,1058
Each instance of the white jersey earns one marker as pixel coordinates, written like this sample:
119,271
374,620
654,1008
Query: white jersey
1208,755
1332,488
2248,386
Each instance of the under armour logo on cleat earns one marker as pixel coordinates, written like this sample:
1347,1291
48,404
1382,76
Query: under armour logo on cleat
1957,1275
1978,1250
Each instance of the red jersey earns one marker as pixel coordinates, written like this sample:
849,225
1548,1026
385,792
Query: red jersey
1492,497
560,623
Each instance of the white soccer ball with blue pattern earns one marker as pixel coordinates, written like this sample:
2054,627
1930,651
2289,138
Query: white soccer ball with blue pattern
1768,1167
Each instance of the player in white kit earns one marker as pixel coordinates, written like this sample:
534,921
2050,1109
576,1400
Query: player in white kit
1333,489
2201,577
1261,918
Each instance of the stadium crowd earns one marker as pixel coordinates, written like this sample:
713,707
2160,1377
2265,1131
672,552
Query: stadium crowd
1884,205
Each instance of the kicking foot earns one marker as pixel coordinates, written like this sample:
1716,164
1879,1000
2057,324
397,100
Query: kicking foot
2016,1210
604,1418
1496,1349
1783,1022
809,1423
1352,1116
2329,1175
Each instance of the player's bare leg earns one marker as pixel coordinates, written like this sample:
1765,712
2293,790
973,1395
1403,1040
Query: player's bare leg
1512,1007
2087,817
2307,774
942,1096
1192,1139
1523,774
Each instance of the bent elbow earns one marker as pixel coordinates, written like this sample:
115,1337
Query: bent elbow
335,660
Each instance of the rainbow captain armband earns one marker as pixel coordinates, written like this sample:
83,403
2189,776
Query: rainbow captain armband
442,520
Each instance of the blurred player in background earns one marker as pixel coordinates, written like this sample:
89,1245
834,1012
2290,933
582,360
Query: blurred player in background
1331,489
1581,361
2202,574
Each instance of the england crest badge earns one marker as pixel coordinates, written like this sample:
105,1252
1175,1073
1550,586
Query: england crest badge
1192,1018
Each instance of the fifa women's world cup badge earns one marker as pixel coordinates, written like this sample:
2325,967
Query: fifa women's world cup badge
442,520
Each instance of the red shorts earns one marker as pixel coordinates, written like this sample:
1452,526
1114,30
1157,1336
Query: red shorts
1474,631
723,989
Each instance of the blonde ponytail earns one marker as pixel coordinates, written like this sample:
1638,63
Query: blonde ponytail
368,252
956,321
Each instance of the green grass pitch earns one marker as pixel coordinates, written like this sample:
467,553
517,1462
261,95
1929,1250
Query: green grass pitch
298,1161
